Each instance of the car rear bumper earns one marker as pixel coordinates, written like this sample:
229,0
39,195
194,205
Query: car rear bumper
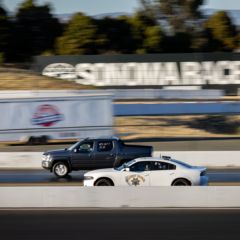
203,181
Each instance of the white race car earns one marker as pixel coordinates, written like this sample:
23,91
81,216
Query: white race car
149,171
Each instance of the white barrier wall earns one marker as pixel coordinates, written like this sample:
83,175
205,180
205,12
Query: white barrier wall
125,93
20,160
221,159
119,197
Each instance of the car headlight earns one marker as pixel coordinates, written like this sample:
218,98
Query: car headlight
88,178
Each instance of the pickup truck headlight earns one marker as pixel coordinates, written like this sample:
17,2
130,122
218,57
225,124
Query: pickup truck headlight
88,178
47,158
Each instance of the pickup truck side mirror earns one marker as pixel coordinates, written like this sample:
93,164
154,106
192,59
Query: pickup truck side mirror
81,150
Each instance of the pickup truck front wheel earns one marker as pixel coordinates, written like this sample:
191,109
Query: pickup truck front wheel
60,169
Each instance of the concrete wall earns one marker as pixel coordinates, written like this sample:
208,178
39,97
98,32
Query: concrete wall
224,159
123,93
20,160
120,197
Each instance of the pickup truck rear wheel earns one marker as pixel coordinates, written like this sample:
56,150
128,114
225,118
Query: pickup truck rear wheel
60,169
103,182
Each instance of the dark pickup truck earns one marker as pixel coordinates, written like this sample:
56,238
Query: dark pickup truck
92,154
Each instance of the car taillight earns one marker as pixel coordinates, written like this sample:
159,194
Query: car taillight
203,173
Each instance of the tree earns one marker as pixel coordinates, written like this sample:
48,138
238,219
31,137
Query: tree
4,32
222,34
181,15
79,37
179,43
153,39
146,33
114,35
34,30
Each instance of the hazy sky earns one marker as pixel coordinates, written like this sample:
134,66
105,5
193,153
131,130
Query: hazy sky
92,7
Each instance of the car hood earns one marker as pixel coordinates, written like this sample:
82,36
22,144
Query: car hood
60,152
104,170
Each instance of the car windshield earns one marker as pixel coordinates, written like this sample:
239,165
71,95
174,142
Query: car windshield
182,163
125,165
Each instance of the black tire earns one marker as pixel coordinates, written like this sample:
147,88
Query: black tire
60,169
103,182
181,182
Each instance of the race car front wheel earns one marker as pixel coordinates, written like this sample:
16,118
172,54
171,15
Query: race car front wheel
103,182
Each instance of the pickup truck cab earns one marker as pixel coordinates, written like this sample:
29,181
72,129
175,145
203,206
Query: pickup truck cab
92,154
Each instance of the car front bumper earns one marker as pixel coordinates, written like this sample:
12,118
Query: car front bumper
88,183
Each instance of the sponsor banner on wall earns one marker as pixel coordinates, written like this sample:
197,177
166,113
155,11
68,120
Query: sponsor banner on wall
144,70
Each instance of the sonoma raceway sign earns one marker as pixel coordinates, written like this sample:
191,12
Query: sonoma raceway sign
157,73
144,70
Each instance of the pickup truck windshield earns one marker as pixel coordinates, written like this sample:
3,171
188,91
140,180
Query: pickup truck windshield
73,146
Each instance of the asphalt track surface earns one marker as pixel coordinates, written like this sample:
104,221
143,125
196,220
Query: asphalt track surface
160,144
120,224
35,177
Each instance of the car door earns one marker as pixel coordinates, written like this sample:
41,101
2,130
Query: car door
138,175
105,154
82,155
162,173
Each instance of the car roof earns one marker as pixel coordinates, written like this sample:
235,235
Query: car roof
165,159
162,159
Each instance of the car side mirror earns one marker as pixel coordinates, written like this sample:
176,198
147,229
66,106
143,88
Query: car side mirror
75,150
127,169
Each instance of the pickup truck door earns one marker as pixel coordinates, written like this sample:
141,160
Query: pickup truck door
105,154
138,175
82,156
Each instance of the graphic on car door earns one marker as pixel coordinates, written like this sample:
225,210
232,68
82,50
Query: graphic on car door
138,175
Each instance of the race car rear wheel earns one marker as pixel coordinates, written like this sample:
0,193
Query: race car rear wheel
181,182
103,182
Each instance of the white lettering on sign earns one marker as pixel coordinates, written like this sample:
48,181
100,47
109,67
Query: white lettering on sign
155,73
191,73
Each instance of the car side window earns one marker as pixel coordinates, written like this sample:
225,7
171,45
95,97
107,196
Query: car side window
162,166
85,147
105,146
140,167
